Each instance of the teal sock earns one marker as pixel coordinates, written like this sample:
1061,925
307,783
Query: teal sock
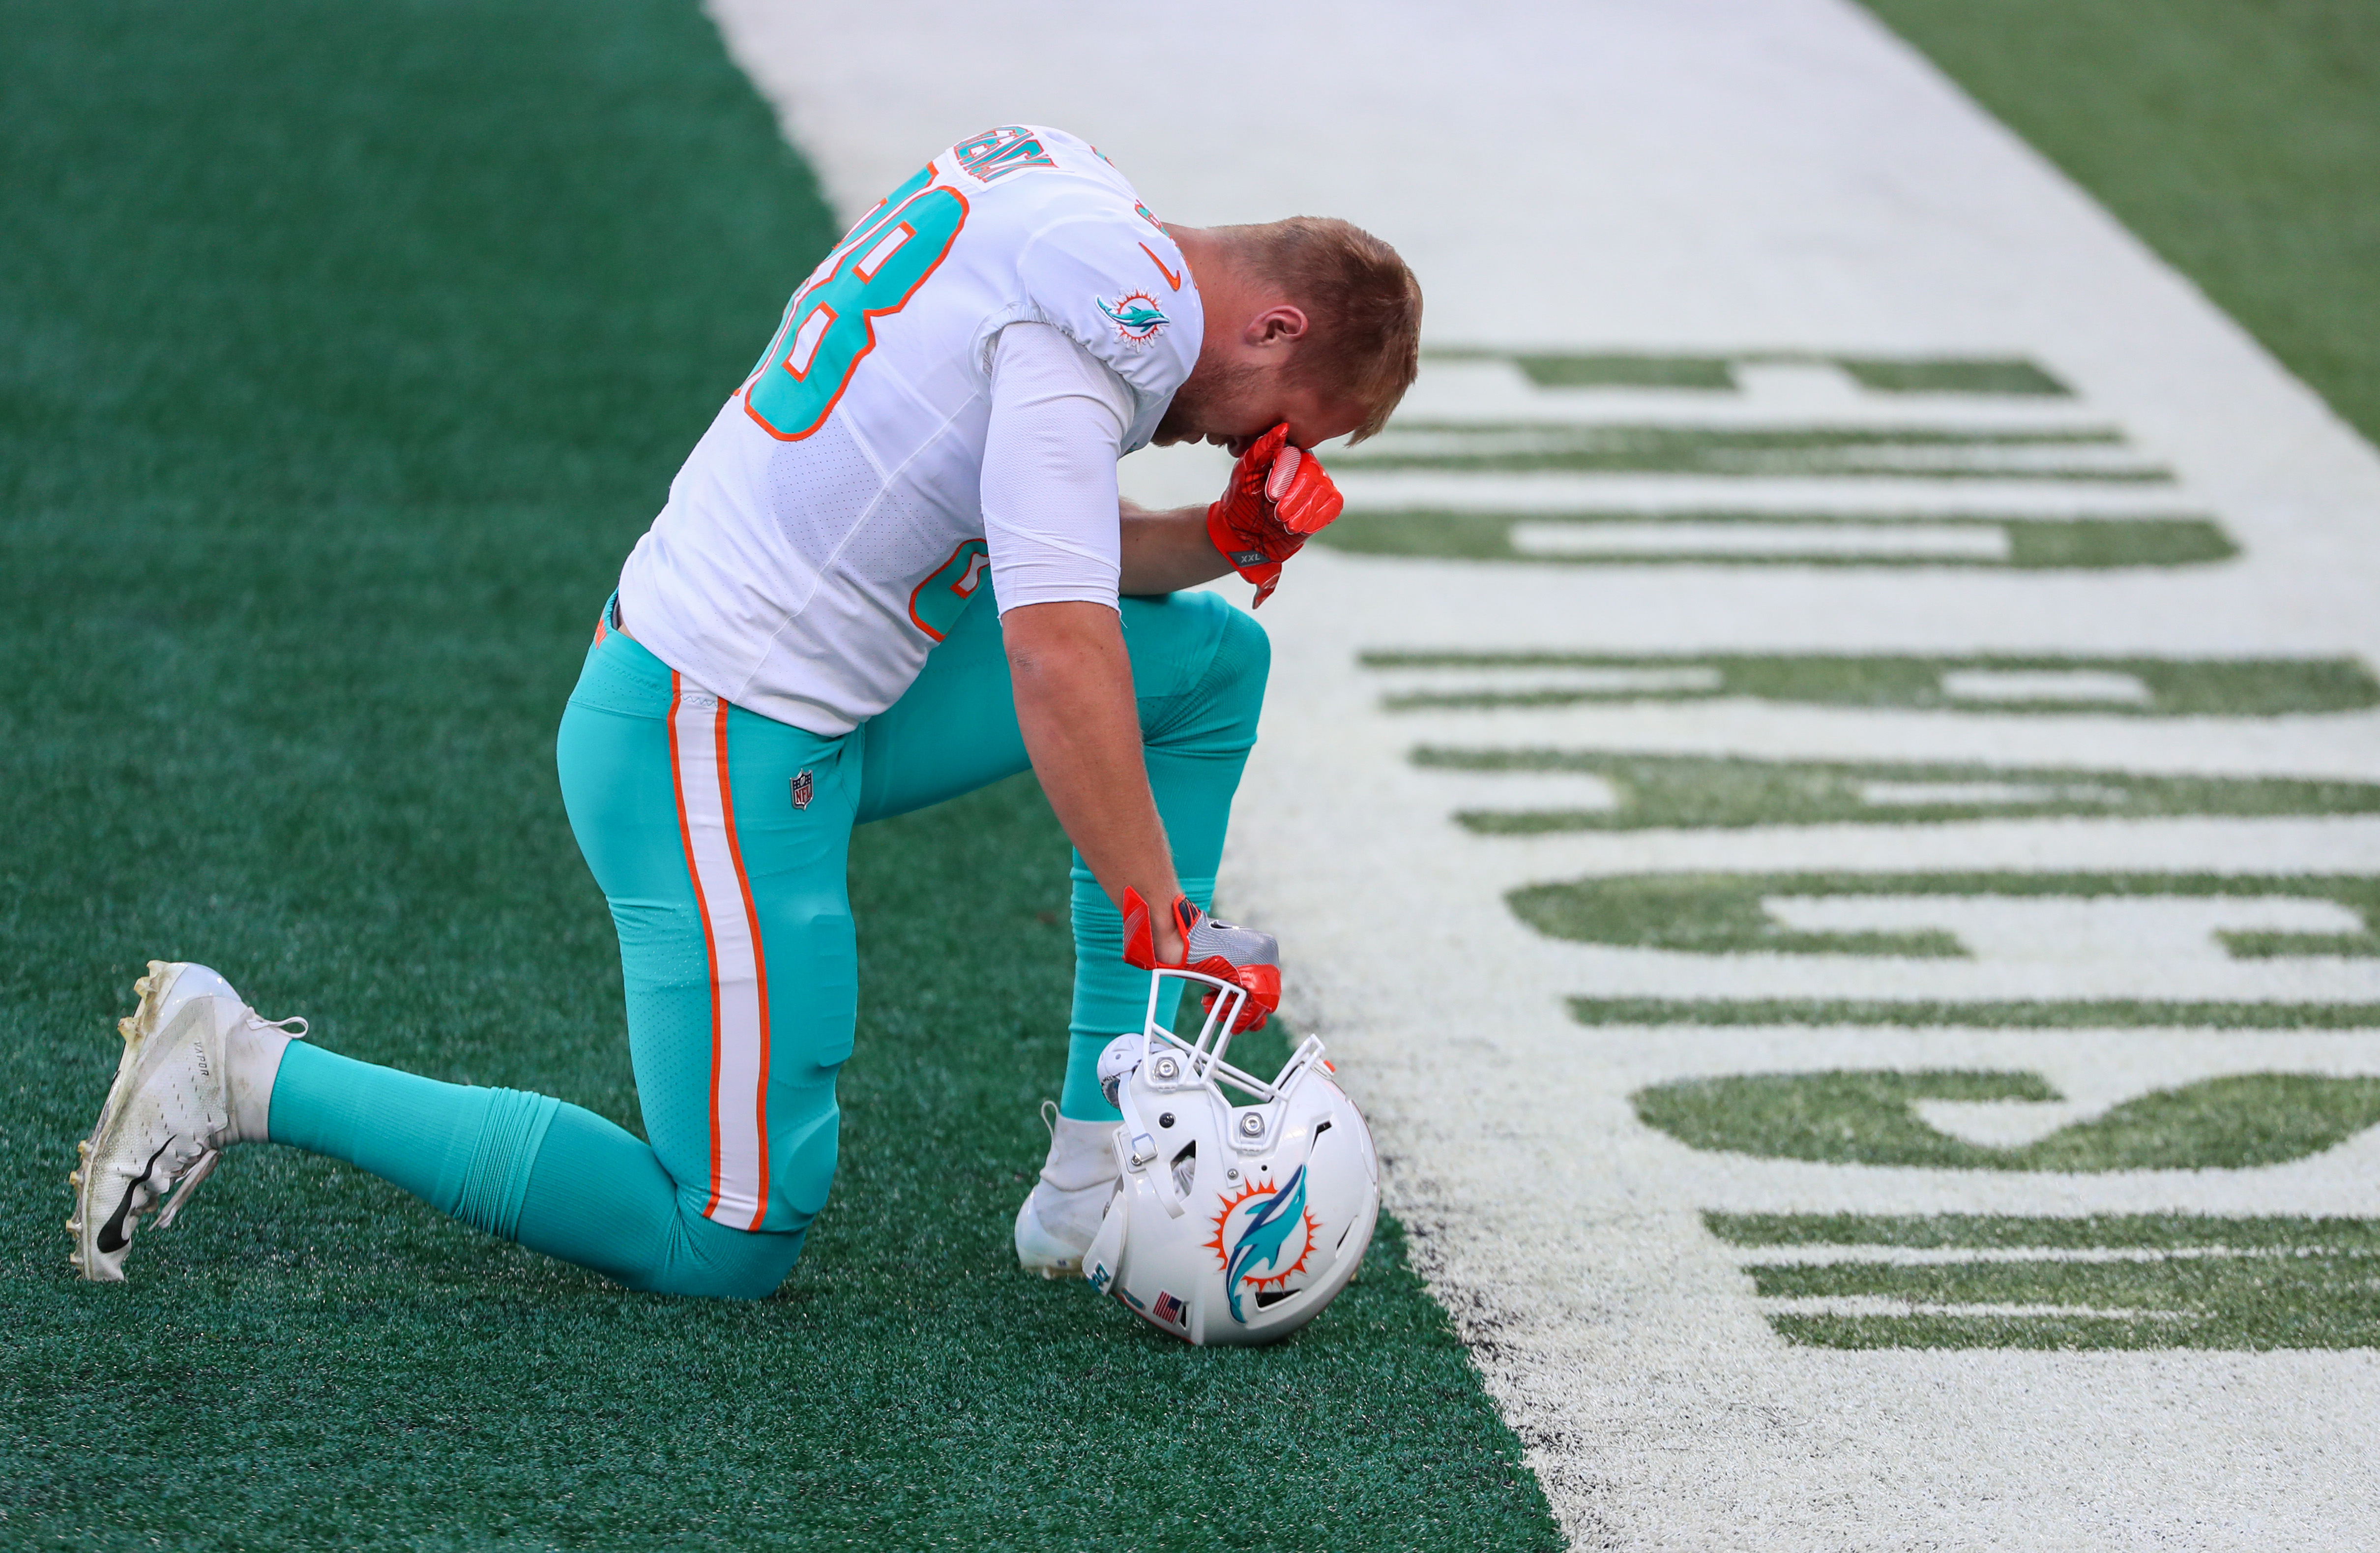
558,1179
1111,998
465,1152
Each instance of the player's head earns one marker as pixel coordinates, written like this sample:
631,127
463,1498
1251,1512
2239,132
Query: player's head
1309,321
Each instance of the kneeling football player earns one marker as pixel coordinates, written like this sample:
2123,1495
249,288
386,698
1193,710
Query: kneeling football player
893,570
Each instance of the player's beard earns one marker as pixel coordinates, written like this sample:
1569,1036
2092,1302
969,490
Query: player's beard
1200,406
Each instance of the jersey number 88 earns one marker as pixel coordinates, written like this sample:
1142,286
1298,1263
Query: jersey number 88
830,325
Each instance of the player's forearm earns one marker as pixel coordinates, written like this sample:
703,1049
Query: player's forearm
1166,551
1073,683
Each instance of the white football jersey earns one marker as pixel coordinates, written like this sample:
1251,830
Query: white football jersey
827,528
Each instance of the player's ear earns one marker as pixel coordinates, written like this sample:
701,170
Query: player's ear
1283,323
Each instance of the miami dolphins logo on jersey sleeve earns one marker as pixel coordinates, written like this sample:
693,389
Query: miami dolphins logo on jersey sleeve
1136,316
1263,1238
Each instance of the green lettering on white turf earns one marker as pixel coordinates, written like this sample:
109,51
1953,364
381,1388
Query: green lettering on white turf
2110,1281
1433,680
1989,376
2145,1233
1696,791
1870,1117
1723,914
2091,453
2025,544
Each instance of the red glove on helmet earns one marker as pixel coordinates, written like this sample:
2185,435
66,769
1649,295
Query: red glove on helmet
1212,948
1278,497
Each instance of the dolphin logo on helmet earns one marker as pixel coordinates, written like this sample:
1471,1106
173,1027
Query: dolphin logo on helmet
1265,1237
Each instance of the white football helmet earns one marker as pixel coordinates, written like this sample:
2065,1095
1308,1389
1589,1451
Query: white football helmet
1232,1224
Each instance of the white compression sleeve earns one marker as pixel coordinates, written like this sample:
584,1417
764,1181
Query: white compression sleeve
1049,517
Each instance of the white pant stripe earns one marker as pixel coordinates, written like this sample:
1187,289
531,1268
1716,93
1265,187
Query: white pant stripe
739,1166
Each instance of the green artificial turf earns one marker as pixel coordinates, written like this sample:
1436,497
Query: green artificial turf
344,352
2106,1282
2240,139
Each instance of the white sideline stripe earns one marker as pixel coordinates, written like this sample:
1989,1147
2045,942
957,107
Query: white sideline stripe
1871,1304
1952,1257
1926,540
698,719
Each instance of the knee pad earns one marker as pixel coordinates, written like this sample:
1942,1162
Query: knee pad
710,1261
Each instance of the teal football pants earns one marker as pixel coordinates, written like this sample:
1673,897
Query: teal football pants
719,838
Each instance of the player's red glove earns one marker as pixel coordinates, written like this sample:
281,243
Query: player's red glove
1277,497
1211,948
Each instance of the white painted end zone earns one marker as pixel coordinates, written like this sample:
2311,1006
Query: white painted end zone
1721,176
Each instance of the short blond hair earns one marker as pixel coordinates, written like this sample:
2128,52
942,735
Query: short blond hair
1363,308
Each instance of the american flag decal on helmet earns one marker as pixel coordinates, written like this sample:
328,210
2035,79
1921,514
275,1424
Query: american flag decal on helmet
1167,1308
804,789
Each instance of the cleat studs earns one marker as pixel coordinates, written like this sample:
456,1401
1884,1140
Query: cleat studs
124,1027
140,987
74,1178
82,1147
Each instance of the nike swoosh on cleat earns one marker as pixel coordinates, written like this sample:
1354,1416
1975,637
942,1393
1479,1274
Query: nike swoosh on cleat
112,1238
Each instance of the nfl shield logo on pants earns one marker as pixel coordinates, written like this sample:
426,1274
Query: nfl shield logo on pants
803,789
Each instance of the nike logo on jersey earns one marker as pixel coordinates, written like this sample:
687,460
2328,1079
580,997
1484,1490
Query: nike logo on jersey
1173,279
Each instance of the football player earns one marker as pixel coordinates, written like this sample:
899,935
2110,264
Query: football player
895,570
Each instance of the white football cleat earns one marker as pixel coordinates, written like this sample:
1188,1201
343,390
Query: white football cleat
197,1077
1056,1222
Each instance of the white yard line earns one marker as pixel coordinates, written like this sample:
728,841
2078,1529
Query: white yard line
1723,177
